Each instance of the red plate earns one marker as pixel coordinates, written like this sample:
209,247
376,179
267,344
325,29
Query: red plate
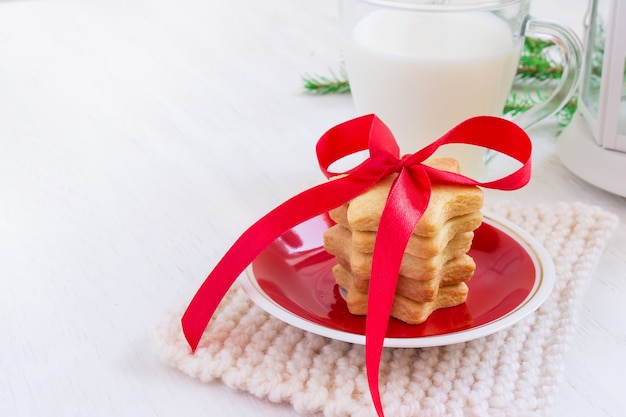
292,280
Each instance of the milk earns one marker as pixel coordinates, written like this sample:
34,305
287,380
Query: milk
423,73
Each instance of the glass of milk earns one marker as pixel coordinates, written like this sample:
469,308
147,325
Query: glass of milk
425,66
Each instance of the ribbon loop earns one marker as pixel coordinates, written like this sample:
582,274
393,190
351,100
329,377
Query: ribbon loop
408,199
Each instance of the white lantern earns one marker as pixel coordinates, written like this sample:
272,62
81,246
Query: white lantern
593,146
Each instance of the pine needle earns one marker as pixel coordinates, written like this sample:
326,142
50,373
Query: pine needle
335,84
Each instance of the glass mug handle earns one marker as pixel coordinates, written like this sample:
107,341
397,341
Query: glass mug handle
571,49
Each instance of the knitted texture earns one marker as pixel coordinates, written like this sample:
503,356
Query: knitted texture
514,372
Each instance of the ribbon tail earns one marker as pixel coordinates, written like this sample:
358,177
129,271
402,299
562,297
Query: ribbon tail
261,234
407,201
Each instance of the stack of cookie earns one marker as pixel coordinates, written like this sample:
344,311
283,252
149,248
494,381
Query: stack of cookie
435,266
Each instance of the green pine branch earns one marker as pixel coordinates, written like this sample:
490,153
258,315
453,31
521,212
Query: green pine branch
336,83
536,61
520,102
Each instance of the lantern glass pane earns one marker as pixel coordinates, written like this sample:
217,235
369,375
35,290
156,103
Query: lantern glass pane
621,122
595,42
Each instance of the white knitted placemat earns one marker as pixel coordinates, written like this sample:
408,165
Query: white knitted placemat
515,372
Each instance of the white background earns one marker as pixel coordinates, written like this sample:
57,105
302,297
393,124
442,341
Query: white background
138,139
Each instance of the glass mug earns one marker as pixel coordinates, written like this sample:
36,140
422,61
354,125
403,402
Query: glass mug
425,66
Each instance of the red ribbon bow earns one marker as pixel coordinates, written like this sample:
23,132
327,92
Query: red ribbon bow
405,205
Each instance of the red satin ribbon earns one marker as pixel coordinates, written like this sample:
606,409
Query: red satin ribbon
405,205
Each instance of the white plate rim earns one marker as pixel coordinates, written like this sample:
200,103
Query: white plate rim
545,278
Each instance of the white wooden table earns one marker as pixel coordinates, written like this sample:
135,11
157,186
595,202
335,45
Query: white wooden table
138,139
